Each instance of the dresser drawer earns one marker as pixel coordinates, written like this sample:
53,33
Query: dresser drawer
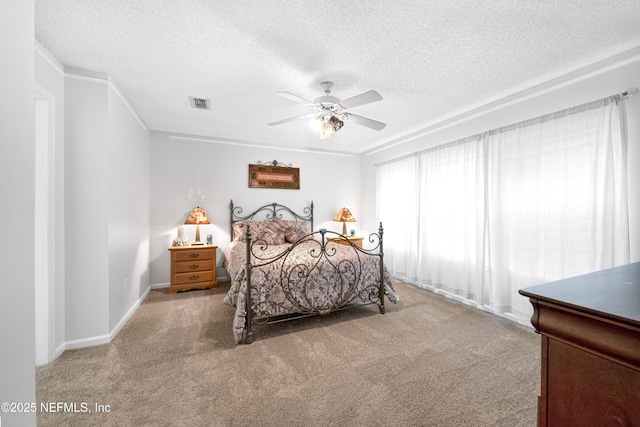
195,277
185,267
193,255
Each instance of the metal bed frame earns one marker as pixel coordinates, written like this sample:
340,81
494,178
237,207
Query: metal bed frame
351,280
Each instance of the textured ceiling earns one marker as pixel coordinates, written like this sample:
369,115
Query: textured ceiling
428,59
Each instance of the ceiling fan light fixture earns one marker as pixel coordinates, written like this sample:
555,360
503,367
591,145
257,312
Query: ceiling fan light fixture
329,125
316,123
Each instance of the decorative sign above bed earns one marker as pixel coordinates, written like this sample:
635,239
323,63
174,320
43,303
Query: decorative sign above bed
272,175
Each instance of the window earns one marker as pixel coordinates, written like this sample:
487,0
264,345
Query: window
522,205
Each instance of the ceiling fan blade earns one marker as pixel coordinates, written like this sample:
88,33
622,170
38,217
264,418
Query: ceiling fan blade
363,121
291,119
363,98
296,98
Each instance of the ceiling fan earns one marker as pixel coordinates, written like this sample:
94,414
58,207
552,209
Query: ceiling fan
330,113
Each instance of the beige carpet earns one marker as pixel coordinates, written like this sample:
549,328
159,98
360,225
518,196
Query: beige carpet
426,362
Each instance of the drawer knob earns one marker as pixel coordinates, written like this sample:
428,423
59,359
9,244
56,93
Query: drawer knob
194,266
194,277
194,255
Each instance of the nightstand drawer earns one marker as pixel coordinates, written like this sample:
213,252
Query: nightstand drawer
193,255
193,267
185,267
202,276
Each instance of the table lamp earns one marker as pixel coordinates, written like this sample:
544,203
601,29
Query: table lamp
197,217
344,216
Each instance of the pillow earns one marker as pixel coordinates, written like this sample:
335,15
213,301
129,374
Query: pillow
304,226
239,231
273,232
258,227
293,234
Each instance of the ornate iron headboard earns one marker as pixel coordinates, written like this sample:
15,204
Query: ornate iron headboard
270,211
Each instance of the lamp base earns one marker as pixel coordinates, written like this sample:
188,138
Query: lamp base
197,242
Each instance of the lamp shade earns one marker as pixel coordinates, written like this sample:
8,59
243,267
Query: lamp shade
344,216
197,217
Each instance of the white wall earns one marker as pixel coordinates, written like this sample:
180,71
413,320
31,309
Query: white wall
191,171
594,82
86,208
107,151
17,195
128,208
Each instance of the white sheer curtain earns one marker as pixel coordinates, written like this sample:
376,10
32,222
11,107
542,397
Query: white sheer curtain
526,204
557,200
451,224
397,209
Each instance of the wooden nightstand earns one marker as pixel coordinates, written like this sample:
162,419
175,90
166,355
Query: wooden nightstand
193,267
354,239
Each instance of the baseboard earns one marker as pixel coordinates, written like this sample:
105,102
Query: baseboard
127,316
102,339
87,342
160,285
473,304
58,351
224,278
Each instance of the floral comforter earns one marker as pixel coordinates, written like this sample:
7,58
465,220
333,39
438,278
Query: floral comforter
306,280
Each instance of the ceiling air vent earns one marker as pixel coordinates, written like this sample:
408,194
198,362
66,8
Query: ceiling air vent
200,103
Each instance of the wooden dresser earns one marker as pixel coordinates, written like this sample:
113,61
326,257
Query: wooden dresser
590,328
193,267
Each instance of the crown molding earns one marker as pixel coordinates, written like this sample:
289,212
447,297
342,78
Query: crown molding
86,75
251,144
48,57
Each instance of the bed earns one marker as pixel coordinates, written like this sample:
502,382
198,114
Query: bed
280,269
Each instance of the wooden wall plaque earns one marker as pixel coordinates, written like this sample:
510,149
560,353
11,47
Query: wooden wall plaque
266,176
